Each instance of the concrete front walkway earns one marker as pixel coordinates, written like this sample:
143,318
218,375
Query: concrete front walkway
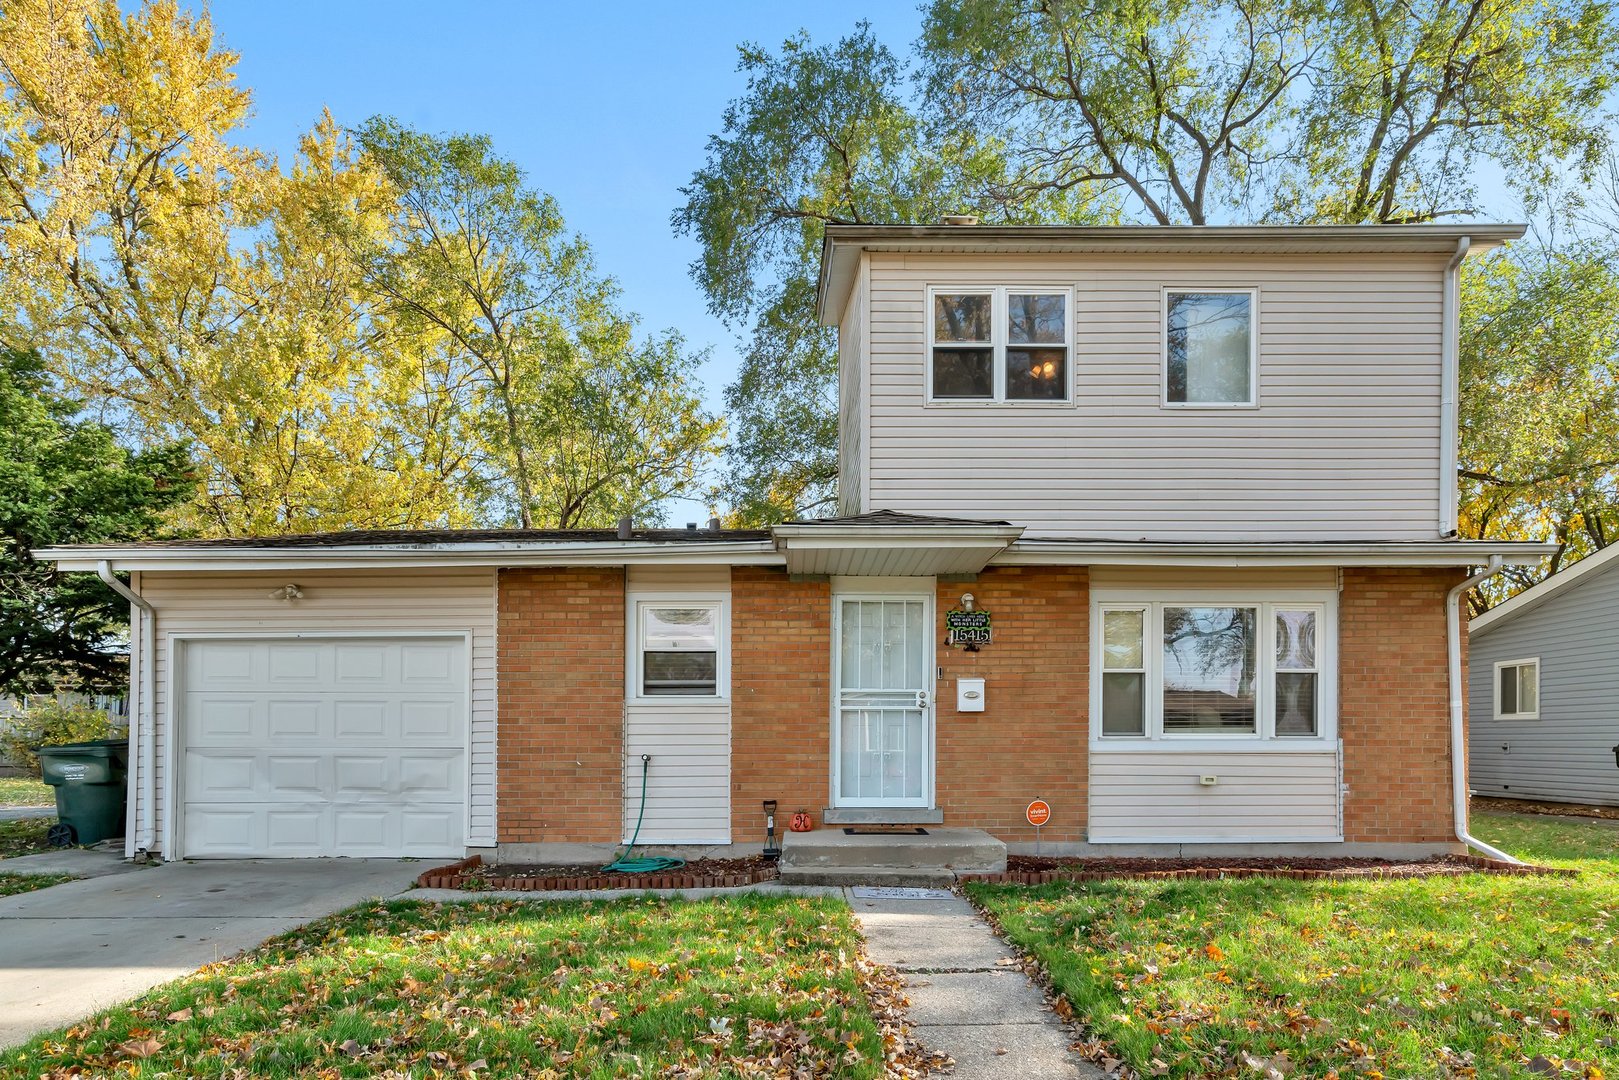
968,996
73,949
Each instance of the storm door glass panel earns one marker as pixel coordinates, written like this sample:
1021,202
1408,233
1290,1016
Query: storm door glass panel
963,346
1210,657
1210,353
883,746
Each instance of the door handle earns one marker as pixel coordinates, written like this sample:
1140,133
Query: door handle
922,703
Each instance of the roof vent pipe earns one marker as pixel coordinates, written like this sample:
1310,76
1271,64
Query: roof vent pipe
713,524
625,524
961,219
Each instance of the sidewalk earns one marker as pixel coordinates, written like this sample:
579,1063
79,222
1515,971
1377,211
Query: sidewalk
969,998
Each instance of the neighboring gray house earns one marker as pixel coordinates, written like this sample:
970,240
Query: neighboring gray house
1545,689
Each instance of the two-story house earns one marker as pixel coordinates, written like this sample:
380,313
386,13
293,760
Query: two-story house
1155,525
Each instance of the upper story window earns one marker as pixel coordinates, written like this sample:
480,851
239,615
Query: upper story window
999,344
1173,669
1517,690
1209,347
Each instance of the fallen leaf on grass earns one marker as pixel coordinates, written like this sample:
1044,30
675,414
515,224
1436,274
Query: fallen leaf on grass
180,1014
140,1048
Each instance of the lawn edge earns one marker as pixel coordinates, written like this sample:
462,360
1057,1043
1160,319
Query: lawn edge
456,875
1478,864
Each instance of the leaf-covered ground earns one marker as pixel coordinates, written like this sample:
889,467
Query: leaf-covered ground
25,837
25,791
642,987
12,884
1259,978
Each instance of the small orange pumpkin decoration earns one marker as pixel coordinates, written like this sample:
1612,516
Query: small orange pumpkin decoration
801,821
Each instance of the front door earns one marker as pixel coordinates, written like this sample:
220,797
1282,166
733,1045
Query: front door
882,730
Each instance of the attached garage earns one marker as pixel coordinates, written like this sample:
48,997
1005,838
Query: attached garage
312,746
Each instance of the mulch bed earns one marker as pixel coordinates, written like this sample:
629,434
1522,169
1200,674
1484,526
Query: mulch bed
471,874
1557,809
1036,870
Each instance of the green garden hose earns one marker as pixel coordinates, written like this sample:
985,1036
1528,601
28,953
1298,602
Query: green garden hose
649,864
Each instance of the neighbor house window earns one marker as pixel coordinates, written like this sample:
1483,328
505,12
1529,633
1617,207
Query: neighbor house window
1517,690
1209,356
679,650
999,344
1174,670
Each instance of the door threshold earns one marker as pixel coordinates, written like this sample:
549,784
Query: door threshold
882,815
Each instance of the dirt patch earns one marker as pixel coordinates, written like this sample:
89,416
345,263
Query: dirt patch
1557,809
1036,870
472,875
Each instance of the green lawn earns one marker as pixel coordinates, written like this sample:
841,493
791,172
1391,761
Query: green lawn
26,837
12,884
25,791
636,987
1426,978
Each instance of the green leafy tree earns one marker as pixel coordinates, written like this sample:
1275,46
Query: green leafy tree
1540,403
574,421
823,134
65,480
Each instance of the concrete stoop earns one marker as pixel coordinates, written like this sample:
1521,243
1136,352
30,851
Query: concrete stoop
834,857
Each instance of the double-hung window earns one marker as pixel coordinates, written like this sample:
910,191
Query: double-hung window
1210,357
1217,668
679,648
999,344
1517,690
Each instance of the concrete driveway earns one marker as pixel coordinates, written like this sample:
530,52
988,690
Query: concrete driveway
73,949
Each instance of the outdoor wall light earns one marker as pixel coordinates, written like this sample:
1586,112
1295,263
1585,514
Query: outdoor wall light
967,601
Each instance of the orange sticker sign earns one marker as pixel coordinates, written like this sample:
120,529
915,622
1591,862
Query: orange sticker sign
1039,812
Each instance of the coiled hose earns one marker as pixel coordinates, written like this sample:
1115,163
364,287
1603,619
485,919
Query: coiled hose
647,864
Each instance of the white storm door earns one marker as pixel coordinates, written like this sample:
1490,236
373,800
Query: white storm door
883,708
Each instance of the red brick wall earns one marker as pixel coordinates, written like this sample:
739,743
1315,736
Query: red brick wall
1393,705
781,686
1030,741
561,688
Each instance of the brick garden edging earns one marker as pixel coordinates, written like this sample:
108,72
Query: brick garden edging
456,875
1478,863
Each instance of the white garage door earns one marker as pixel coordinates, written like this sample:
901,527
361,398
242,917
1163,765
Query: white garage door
305,747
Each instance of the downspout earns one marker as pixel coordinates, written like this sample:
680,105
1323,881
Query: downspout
1458,738
1449,376
146,729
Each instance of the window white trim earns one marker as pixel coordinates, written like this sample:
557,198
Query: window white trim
1495,691
999,322
637,602
1165,293
1264,739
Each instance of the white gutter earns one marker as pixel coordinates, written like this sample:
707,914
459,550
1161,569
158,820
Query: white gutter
145,778
1458,735
1449,377
1038,552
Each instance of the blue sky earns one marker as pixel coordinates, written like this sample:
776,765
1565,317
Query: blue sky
608,107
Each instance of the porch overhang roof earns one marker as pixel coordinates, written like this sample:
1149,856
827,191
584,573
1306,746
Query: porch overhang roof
889,550
1458,553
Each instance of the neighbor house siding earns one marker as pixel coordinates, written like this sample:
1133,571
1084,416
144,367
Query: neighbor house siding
1344,443
1567,755
358,602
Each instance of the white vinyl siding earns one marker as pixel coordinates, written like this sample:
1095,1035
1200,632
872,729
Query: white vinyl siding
194,605
1258,797
1344,444
852,400
689,738
1565,754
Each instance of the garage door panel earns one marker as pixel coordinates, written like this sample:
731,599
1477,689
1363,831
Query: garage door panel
331,747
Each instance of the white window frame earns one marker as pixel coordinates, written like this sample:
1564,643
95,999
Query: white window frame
634,637
999,322
1495,688
1252,292
1264,738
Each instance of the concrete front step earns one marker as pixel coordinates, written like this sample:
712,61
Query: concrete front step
834,857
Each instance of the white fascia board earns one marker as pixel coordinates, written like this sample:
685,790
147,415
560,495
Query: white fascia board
1123,553
1545,590
833,537
718,553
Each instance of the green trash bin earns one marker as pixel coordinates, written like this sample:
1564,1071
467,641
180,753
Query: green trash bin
90,790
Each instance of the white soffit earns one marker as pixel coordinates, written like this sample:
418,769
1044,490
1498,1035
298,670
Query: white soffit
890,551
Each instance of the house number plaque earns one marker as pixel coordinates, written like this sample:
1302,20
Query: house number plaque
967,627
